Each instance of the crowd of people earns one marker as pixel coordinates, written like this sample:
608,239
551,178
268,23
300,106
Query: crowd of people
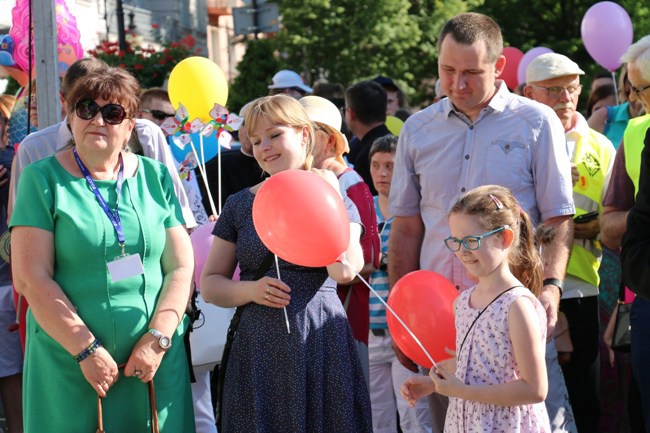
523,203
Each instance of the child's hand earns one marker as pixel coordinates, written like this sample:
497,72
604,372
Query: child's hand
416,387
445,382
450,363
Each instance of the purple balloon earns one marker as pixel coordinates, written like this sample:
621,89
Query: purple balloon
528,57
607,33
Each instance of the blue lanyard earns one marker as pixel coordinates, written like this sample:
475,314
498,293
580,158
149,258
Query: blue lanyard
113,216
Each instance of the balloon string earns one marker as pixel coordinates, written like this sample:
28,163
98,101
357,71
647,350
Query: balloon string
220,176
286,316
399,319
615,87
205,178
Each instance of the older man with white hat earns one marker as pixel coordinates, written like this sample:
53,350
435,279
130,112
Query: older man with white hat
289,83
554,80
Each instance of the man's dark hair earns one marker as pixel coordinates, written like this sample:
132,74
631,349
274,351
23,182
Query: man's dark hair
153,93
368,101
79,69
386,144
470,27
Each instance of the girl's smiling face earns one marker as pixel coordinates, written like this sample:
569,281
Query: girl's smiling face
278,147
491,253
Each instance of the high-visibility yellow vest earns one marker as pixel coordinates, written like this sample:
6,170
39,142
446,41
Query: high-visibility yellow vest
593,155
633,145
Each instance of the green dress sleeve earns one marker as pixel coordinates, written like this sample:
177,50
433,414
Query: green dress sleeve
34,205
175,216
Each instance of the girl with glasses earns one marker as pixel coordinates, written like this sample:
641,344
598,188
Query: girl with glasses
497,382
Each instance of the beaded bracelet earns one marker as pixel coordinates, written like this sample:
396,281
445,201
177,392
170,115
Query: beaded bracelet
88,351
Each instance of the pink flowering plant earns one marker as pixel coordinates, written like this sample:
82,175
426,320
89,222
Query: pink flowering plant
150,66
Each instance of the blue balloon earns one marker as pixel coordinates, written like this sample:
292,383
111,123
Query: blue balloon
209,148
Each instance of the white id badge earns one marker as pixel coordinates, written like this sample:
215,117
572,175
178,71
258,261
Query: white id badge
125,267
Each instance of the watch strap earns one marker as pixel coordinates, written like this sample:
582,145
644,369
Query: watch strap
554,282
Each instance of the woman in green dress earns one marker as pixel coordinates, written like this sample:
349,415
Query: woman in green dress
100,253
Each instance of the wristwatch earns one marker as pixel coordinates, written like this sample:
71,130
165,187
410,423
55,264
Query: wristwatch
383,263
163,341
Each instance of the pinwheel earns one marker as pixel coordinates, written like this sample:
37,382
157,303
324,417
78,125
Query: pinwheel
219,120
179,128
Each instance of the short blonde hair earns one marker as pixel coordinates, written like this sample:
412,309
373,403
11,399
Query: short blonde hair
281,110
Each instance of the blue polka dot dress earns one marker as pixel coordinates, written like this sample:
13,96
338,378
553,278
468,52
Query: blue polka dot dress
307,381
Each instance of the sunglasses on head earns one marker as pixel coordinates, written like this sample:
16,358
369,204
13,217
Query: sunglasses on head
157,114
113,114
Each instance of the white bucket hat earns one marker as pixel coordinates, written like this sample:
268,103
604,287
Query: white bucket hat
286,79
325,113
551,65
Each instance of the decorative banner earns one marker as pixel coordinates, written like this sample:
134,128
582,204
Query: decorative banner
69,45
527,58
509,74
607,32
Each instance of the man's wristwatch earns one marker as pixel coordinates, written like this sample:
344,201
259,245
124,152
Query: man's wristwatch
163,341
383,263
554,282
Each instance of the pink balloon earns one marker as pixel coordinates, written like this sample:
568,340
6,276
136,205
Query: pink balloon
606,31
509,74
301,218
68,36
201,239
528,57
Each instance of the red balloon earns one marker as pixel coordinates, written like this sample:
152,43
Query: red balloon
509,74
424,300
301,218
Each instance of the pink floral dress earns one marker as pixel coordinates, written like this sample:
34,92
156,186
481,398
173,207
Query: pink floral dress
487,358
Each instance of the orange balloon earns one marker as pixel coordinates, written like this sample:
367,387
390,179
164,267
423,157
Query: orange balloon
424,300
301,218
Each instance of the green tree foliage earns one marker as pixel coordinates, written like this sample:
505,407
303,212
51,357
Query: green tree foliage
344,41
556,24
257,67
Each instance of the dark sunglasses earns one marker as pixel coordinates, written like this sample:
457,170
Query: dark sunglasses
157,114
113,114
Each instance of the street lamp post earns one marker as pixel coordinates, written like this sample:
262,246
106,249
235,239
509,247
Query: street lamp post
121,34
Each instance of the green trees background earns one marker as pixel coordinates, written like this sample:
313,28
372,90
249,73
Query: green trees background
344,41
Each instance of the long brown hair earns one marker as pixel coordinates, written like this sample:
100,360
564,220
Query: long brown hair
496,206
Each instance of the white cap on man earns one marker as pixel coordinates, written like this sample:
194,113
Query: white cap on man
286,79
551,65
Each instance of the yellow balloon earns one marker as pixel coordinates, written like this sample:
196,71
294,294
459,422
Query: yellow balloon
198,83
394,124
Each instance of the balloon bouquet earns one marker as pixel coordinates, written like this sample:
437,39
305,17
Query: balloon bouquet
199,90
302,219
